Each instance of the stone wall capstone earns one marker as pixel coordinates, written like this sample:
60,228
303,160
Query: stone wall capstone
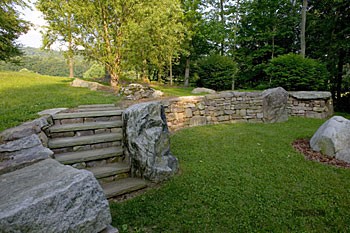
147,142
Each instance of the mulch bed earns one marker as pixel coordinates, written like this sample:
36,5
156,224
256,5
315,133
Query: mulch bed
303,146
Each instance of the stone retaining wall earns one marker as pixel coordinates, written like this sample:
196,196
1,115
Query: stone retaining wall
232,107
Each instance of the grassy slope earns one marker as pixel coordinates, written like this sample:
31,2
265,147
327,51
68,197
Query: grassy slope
22,95
243,178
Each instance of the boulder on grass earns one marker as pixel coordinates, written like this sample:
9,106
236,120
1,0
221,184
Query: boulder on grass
94,86
147,142
50,197
200,90
333,138
135,91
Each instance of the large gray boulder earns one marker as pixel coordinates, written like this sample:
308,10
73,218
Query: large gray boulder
25,129
333,138
49,197
275,102
94,86
22,152
147,142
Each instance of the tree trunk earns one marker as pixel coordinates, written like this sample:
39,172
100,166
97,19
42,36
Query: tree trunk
303,28
114,80
222,16
187,72
340,73
71,67
171,71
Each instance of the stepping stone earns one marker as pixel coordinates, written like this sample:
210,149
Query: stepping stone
85,156
71,115
85,126
109,170
123,186
84,140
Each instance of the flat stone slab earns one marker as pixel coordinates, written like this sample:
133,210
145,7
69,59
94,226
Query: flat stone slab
87,114
109,170
22,152
84,140
85,126
50,197
85,156
310,95
123,186
51,111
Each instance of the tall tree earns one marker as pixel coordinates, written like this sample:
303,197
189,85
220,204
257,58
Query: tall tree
303,28
128,33
11,27
328,37
61,27
267,29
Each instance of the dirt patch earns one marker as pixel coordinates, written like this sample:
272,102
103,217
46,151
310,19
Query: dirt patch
303,146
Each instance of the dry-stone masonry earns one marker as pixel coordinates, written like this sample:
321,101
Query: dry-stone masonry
311,104
137,91
147,142
24,145
273,105
333,138
50,197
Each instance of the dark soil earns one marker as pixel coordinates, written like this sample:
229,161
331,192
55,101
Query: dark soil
303,146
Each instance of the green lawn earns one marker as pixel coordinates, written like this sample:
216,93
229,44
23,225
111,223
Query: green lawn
22,95
243,178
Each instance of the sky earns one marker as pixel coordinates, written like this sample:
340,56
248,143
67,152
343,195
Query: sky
33,36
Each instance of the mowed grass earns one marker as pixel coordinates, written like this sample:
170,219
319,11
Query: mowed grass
174,90
243,178
22,95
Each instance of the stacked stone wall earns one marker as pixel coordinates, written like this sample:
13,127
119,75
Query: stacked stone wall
233,107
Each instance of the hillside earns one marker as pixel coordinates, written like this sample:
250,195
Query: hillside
47,63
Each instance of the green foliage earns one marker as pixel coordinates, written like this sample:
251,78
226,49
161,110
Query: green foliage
24,94
96,72
46,62
243,178
216,72
295,73
11,27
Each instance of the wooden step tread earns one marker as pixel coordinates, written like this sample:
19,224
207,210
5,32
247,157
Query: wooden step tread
85,126
84,140
85,156
123,186
109,170
71,115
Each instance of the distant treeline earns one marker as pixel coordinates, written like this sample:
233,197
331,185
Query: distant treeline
47,63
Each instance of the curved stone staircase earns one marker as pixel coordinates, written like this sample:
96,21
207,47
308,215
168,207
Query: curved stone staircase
91,137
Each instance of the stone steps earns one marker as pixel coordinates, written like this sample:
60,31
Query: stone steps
86,156
123,186
90,137
84,140
109,170
85,126
71,115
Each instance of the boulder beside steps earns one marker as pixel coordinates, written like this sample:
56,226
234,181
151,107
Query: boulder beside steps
90,137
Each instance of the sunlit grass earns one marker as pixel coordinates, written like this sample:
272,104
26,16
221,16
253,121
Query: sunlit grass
23,94
243,178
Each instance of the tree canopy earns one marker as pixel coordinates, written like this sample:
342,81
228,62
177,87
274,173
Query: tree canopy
11,27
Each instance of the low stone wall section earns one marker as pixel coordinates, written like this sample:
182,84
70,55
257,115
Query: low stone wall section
310,104
233,107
